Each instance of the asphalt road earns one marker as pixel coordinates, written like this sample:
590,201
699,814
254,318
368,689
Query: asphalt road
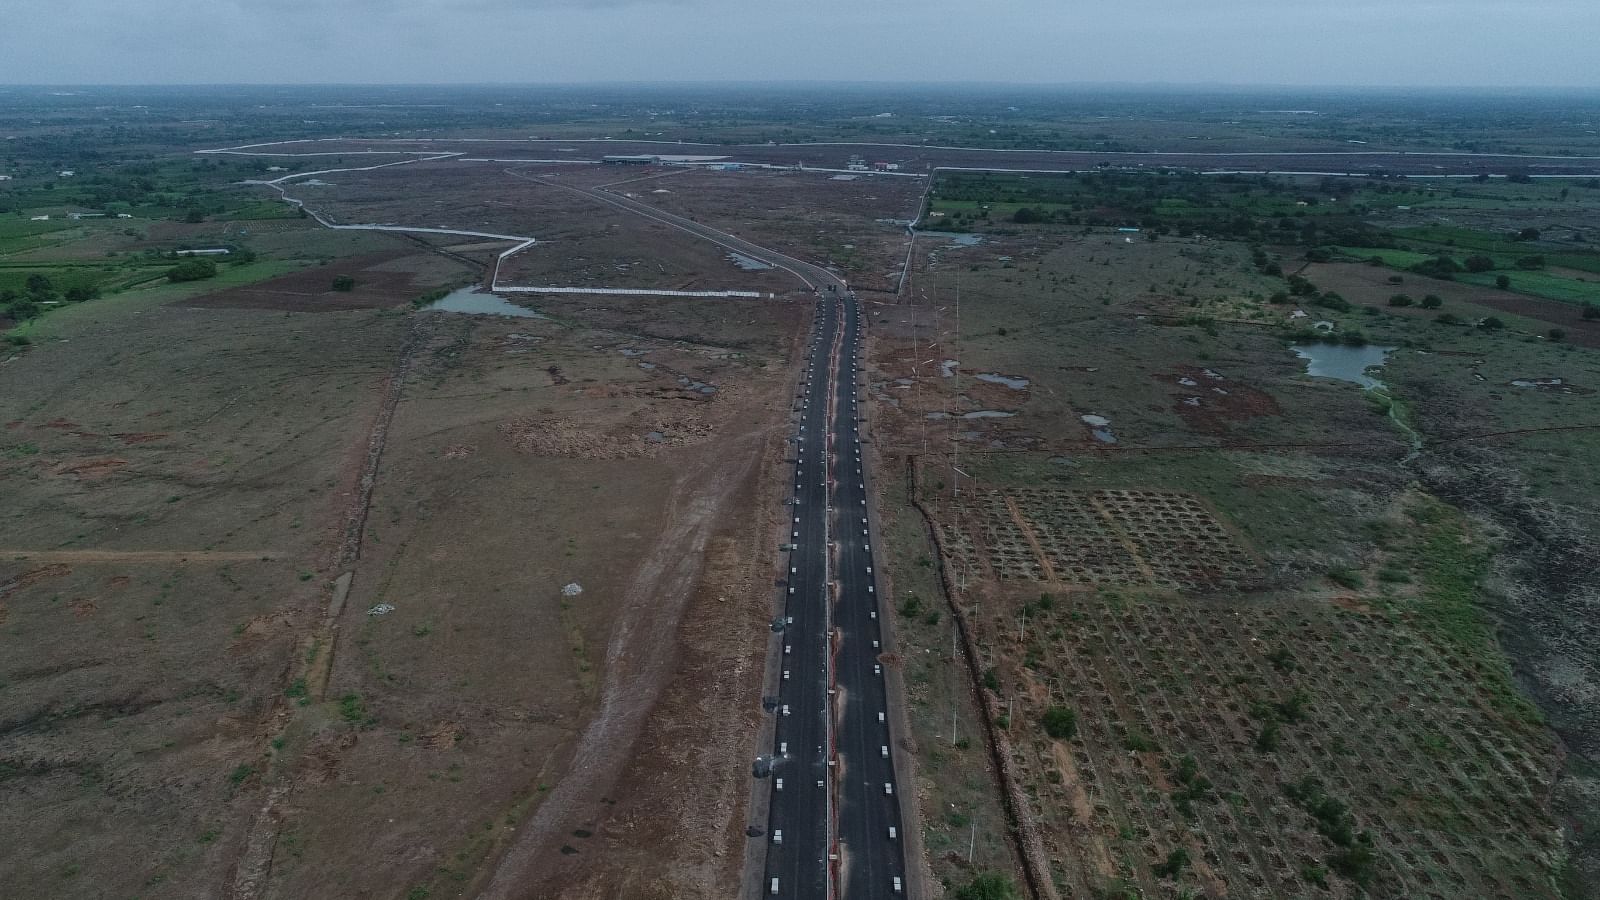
869,805
830,628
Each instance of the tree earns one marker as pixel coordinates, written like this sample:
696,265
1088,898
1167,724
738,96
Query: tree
987,886
1060,723
344,283
1479,263
1503,282
195,215
192,270
1026,215
39,286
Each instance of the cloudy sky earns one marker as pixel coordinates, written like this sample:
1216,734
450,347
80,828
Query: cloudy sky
1297,42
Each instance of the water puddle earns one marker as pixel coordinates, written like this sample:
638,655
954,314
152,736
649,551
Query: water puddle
1099,428
1344,363
978,414
474,302
1014,382
955,237
697,386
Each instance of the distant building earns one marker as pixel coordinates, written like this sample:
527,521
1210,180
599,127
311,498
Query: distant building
5,177
40,219
631,160
67,173
220,251
76,216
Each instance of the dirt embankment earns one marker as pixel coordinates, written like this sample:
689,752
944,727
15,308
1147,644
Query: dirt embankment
1548,579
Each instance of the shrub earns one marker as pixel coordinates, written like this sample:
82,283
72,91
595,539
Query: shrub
1530,262
1491,323
1590,312
1060,723
1176,862
1503,282
1267,740
1448,319
987,886
1346,578
1556,334
1355,862
1439,267
1432,301
1479,263
1400,300
344,283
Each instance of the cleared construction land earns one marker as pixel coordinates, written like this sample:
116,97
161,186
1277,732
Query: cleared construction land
310,590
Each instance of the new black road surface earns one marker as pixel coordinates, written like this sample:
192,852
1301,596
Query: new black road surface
834,830
870,830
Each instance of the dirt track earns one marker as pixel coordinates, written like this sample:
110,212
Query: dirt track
638,661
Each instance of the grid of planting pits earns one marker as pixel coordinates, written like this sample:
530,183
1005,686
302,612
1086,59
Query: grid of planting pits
1271,748
1104,537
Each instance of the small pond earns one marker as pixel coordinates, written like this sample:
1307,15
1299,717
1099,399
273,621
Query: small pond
1344,363
472,301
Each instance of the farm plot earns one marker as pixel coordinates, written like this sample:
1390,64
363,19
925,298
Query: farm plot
1179,730
1226,747
1106,537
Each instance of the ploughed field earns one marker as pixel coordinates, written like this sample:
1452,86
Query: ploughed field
1232,629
